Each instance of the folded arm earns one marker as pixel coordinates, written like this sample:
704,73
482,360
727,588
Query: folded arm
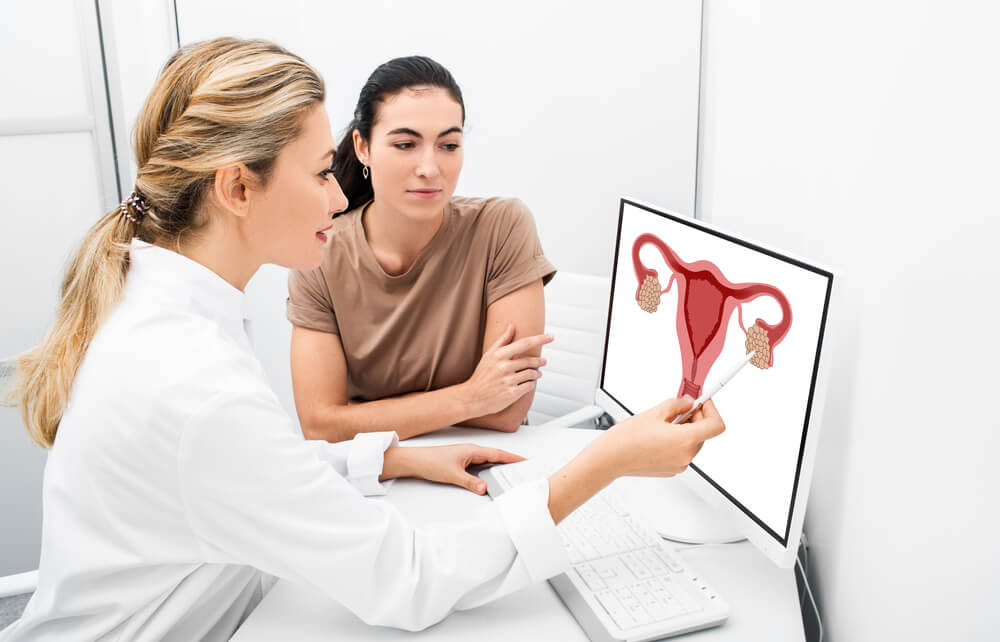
319,377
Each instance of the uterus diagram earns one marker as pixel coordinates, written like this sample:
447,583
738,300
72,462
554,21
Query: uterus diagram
706,300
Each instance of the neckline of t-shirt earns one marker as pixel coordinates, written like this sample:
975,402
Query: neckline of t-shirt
369,254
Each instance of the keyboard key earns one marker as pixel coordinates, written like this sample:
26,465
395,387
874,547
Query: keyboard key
590,577
657,610
645,534
608,568
661,590
633,606
587,551
669,560
652,562
636,566
615,609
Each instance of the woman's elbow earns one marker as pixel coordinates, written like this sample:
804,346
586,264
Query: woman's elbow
510,420
322,428
508,426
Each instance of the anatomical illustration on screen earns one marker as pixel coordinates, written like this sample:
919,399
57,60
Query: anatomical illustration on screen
689,304
706,300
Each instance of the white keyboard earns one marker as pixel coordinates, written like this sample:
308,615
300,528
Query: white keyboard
626,582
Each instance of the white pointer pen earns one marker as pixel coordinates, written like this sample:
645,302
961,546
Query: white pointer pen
713,389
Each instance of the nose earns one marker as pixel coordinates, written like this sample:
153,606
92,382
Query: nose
338,202
428,166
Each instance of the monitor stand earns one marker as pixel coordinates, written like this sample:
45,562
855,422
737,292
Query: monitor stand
676,512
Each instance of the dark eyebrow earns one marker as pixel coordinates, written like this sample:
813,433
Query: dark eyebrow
410,132
405,130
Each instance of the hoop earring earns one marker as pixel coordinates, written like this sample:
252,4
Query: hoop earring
364,171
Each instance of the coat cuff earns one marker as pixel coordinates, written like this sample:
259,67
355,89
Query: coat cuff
364,463
524,511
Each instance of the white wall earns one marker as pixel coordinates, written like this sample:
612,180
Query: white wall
139,37
570,105
865,135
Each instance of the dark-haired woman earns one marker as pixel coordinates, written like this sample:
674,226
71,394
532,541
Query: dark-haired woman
438,323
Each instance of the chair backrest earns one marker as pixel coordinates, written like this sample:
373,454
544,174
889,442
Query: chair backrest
576,312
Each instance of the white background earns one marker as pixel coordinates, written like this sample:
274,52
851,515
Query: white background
755,459
569,105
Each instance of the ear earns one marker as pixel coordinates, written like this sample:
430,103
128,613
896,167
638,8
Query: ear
361,147
231,189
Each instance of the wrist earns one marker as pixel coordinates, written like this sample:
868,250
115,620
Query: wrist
605,456
464,402
396,462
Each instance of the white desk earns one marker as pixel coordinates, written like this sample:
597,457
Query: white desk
763,598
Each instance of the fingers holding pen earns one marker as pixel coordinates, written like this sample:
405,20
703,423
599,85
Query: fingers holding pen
707,421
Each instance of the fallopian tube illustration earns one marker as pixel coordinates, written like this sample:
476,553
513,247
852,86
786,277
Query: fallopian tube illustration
705,303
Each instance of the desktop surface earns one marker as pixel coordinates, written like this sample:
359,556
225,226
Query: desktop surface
763,598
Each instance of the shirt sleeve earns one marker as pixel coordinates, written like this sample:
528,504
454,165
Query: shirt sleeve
257,494
309,303
359,460
516,258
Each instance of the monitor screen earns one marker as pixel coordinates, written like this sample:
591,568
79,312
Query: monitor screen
688,303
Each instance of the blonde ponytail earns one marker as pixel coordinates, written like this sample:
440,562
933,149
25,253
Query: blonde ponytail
91,287
216,103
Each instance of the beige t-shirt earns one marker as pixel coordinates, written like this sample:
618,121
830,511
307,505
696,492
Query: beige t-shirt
421,330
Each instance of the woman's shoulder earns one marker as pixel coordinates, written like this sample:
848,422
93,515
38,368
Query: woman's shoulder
346,221
491,214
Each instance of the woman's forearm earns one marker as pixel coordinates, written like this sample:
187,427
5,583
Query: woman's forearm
582,478
507,420
409,415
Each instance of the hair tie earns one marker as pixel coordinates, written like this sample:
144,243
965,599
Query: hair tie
138,204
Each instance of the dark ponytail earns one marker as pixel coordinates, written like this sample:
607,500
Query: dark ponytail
388,79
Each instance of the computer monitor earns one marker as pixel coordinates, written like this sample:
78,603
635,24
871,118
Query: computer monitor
689,302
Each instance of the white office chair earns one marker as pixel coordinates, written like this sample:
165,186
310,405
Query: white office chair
576,311
14,589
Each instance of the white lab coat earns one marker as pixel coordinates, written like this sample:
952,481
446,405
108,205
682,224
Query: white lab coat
177,485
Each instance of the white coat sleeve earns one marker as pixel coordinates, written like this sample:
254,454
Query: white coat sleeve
258,494
359,460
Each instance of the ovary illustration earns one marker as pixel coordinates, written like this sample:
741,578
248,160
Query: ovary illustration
705,303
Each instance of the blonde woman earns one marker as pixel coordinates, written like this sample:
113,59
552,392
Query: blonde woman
176,488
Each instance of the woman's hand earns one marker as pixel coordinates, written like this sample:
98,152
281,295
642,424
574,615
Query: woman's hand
502,376
648,445
445,464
